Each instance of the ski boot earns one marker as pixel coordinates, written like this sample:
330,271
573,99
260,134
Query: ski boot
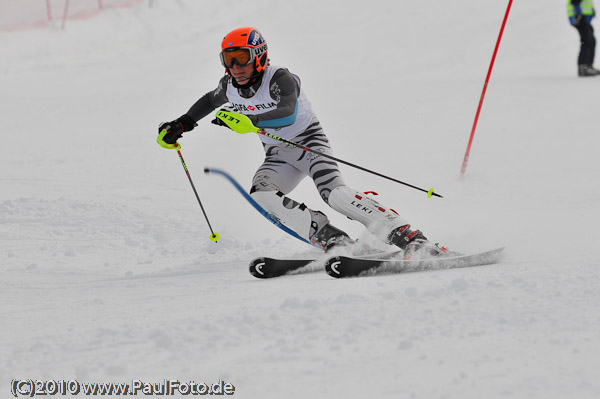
415,244
424,249
587,70
330,236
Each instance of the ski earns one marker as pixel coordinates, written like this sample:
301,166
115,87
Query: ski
272,267
343,266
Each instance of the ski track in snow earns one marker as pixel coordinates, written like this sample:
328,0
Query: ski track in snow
107,272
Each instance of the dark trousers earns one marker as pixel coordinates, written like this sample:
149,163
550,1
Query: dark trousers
588,43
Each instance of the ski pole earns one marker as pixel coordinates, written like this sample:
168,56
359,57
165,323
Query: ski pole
487,79
241,124
429,192
213,236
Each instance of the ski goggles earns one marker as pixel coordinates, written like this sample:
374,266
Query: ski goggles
242,55
239,55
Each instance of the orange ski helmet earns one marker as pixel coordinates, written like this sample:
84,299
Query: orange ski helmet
244,46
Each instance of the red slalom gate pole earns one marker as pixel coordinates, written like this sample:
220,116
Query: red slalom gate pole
487,79
65,14
49,10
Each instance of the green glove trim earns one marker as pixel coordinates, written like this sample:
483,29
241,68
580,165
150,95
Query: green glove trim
237,122
162,143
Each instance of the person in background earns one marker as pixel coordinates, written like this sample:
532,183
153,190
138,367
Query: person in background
581,13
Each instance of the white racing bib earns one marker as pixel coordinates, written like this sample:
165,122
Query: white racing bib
262,102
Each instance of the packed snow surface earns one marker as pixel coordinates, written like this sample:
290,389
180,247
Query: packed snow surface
107,270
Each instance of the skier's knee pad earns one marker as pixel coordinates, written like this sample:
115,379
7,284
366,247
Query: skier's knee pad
292,214
379,220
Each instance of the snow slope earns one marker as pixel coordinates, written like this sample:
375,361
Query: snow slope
107,272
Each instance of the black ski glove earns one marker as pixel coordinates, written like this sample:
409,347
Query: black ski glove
219,122
577,19
176,128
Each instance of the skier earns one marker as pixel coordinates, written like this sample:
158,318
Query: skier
581,13
273,100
